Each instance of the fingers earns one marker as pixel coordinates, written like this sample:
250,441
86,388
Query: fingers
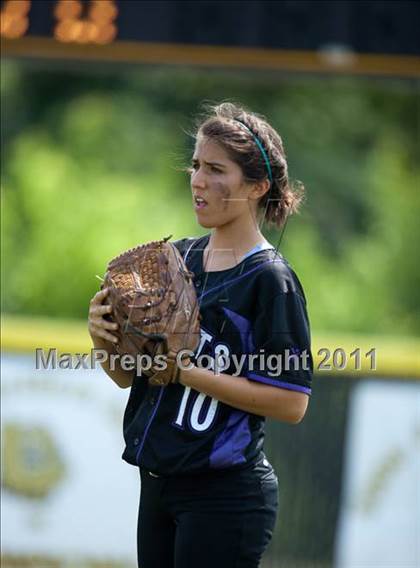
99,297
102,323
101,332
96,316
106,324
98,325
100,309
102,293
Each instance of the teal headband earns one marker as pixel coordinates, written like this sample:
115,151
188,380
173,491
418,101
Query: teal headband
261,148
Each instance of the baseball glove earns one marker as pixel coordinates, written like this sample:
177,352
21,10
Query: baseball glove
154,304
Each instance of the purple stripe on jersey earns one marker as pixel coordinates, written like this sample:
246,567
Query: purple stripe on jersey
230,445
149,424
277,383
244,327
239,277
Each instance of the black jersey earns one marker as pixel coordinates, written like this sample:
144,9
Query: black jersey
257,308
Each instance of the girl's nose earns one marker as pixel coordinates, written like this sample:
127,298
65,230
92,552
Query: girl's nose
198,179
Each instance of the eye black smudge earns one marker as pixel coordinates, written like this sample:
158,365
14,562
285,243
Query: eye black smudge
224,192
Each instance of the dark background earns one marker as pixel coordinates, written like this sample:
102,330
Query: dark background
365,27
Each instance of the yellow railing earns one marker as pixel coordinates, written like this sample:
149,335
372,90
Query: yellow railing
394,356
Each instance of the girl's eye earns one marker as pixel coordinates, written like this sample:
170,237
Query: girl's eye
195,167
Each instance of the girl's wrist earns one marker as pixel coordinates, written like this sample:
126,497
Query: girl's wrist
188,374
185,374
193,376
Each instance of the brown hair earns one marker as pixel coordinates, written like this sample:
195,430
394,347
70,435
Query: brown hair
221,123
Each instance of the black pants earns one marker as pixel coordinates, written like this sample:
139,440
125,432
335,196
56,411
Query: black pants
216,520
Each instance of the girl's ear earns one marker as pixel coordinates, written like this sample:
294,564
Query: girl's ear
260,188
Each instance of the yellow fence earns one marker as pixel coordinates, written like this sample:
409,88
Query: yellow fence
380,356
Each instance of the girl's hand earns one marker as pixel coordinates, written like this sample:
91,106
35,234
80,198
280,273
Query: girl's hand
99,329
98,326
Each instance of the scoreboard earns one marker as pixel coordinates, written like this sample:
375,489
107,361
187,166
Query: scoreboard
343,36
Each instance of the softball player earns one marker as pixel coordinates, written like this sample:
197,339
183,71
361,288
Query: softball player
209,496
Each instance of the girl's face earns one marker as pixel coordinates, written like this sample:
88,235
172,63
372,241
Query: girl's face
220,194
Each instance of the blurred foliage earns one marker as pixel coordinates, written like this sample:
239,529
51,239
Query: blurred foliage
91,166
